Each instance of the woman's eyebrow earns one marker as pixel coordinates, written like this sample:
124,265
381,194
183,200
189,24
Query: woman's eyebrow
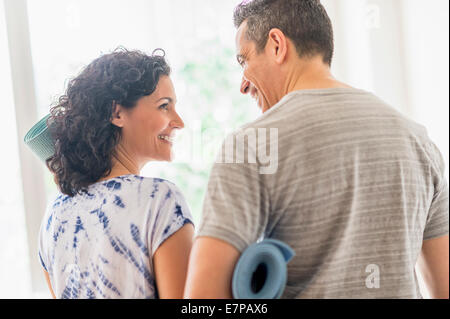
167,98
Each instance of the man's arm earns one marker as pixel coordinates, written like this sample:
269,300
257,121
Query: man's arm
210,271
433,264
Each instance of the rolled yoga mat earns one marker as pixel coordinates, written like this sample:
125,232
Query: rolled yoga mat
39,139
261,271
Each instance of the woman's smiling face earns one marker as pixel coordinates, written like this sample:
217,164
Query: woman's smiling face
148,128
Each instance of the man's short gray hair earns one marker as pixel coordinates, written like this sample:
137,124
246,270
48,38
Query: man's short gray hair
305,22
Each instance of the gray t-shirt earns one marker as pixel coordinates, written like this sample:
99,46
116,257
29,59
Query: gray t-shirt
354,189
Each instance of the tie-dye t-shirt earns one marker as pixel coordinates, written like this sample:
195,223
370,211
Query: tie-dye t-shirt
100,244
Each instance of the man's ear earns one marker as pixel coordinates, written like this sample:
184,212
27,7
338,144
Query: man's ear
278,45
117,117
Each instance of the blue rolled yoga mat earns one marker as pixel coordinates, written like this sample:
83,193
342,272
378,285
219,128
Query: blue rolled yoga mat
261,271
39,139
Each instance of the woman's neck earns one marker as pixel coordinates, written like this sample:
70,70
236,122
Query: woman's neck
122,164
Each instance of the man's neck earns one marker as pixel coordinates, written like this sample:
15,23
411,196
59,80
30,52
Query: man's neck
309,75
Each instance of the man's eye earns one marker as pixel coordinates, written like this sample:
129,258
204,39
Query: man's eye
241,61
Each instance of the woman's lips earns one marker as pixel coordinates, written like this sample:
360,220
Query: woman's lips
166,138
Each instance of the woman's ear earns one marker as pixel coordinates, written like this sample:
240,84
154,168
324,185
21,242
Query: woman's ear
117,117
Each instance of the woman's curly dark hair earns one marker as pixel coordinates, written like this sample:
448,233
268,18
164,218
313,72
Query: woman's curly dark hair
80,123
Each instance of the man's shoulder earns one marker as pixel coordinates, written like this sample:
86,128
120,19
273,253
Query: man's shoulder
306,106
285,109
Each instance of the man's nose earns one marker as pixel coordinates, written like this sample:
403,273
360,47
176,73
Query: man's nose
245,85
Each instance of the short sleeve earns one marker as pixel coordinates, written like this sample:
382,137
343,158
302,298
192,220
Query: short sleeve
42,249
42,261
236,205
172,214
438,215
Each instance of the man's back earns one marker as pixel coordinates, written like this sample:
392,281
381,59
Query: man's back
357,189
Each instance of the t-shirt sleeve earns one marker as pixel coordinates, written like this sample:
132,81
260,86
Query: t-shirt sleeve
236,205
437,224
43,233
172,214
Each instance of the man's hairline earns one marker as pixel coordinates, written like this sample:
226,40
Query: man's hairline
260,50
248,38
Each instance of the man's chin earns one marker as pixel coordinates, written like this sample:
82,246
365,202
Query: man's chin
260,105
263,107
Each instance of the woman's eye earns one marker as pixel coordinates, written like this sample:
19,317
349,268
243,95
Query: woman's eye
164,107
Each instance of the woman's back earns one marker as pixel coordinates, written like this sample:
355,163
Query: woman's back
100,244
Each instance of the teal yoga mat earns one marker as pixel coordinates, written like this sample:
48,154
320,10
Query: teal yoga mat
39,139
261,271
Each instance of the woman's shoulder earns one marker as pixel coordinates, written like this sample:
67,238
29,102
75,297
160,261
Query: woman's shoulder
129,188
153,186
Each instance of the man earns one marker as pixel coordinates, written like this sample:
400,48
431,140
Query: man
359,191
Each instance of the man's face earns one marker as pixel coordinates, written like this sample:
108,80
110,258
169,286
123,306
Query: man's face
257,75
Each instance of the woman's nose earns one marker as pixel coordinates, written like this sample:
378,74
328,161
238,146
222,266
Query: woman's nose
177,122
245,86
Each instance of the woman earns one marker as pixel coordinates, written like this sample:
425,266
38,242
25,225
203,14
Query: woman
111,233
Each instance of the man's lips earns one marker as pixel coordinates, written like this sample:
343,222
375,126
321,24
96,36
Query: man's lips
255,94
248,87
245,86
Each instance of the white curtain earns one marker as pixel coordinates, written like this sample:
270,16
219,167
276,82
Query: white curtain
398,49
